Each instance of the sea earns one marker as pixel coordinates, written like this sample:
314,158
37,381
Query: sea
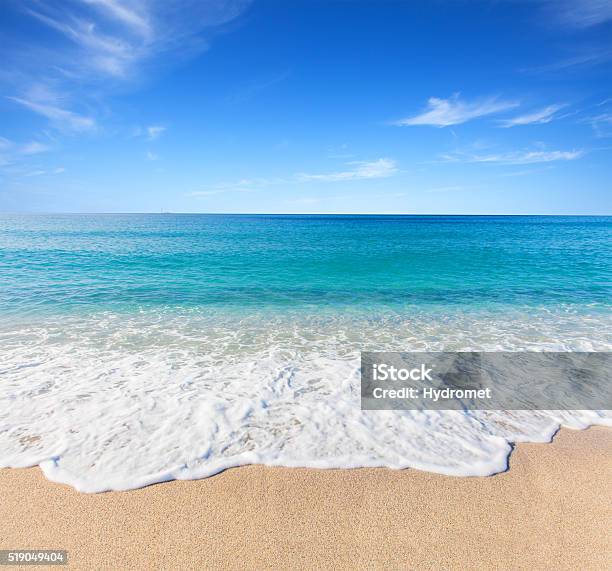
140,348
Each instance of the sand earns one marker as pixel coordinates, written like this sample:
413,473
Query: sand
551,510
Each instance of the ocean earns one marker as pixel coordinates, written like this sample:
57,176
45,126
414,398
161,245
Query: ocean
139,348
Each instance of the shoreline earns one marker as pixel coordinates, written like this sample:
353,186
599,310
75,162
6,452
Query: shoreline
549,510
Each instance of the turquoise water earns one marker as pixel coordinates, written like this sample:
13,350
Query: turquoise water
122,262
141,348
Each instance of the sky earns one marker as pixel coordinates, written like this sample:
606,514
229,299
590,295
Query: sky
306,106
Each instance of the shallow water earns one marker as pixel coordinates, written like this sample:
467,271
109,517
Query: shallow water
140,348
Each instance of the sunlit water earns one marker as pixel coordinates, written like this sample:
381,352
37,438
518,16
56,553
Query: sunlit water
141,348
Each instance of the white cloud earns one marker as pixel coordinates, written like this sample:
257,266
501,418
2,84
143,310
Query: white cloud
97,51
577,15
5,144
531,157
61,118
242,185
583,59
155,131
133,16
33,148
35,173
517,157
90,47
545,115
252,88
581,13
524,172
151,156
602,124
112,37
41,172
380,168
11,152
361,170
453,111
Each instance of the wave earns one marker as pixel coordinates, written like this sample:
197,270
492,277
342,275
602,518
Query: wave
115,401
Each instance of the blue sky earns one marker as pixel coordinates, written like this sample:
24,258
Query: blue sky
306,106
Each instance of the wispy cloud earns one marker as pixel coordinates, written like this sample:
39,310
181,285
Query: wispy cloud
581,13
358,170
111,37
602,124
516,157
151,156
33,148
454,111
42,172
599,117
11,152
241,185
131,16
15,159
63,119
576,16
90,47
545,115
528,171
583,59
155,132
251,89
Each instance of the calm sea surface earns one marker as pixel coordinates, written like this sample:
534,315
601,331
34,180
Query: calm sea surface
124,262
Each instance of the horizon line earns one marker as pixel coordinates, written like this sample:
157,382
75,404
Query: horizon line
166,213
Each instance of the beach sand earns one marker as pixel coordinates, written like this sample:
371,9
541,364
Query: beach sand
551,510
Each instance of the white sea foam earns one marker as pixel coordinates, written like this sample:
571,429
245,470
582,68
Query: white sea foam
119,401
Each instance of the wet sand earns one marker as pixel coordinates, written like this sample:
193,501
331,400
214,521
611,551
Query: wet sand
551,510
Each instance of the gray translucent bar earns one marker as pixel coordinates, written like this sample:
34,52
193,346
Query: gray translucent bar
19,557
486,381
